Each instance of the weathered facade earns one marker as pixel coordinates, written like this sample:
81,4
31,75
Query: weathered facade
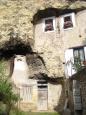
40,33
58,46
53,44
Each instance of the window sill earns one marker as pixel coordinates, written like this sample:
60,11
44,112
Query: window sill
49,31
68,29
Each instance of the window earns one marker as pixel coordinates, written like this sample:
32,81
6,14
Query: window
49,24
79,55
75,57
42,84
68,21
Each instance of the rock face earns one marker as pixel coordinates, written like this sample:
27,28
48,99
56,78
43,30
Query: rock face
16,15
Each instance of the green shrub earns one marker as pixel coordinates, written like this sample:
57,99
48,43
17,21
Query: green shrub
7,96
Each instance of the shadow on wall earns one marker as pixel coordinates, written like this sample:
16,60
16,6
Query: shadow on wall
49,12
14,46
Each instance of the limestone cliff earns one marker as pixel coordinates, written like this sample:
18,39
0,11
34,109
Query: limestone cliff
16,16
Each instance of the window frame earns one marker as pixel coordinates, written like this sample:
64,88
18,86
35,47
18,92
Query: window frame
44,25
72,18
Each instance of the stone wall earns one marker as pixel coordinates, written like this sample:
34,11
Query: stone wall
56,97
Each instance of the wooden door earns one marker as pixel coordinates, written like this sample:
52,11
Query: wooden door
42,98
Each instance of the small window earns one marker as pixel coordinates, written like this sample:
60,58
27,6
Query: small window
68,21
42,84
49,24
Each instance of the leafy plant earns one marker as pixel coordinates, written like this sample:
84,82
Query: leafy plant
7,96
77,64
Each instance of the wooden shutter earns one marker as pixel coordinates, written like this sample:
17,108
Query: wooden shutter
69,61
85,52
73,19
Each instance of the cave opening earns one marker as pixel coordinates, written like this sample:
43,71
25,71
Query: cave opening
15,47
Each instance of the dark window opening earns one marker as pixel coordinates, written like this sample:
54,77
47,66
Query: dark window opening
49,25
42,87
42,84
79,56
68,22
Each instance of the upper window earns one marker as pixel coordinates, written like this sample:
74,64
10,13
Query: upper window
68,21
49,24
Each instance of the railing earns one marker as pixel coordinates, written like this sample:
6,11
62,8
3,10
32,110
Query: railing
24,92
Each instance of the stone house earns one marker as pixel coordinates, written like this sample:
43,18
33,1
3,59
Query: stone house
39,41
66,41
